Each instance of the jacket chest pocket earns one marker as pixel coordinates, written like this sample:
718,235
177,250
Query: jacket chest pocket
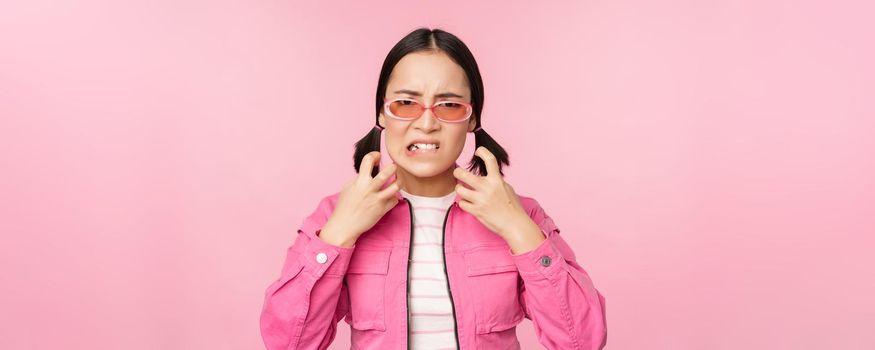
366,282
494,282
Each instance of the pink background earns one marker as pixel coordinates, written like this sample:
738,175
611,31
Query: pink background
710,162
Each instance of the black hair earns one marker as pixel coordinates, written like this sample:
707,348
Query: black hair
424,39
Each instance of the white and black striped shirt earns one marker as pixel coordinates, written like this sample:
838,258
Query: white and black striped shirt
432,325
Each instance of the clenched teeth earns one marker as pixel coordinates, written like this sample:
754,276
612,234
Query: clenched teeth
417,146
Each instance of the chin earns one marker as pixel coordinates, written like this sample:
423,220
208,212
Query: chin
425,169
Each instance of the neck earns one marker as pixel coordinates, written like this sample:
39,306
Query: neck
435,186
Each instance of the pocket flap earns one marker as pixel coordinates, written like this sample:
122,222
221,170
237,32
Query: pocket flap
367,260
498,327
364,325
487,261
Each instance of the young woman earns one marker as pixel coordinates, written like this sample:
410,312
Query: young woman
424,254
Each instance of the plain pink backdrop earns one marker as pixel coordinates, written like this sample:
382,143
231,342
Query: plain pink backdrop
711,163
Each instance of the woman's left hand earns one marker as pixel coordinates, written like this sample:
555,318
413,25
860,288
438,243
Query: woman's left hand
493,201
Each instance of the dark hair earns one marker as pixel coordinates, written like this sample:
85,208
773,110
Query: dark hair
424,39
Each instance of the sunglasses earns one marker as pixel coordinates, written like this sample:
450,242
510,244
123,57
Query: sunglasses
409,109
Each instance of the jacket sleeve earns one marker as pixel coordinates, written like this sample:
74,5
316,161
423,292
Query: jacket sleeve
557,294
303,306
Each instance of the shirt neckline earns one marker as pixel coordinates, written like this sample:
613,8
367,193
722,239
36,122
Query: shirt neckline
442,199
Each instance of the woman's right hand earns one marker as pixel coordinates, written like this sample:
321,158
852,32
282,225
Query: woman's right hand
362,203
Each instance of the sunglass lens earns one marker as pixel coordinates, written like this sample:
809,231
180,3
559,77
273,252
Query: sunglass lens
405,108
451,111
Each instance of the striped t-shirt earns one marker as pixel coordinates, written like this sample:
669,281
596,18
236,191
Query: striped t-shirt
432,325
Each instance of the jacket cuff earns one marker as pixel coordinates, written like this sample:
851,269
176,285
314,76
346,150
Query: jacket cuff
325,258
542,261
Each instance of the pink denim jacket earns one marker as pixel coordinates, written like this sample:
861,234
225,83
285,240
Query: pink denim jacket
490,288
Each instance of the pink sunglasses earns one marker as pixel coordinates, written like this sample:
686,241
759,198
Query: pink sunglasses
409,109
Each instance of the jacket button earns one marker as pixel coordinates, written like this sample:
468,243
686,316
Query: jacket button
545,261
321,258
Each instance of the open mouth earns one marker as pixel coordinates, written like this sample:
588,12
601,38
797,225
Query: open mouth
418,147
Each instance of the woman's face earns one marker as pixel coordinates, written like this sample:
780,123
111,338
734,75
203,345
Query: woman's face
424,75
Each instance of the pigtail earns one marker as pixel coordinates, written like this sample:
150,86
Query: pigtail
369,143
477,165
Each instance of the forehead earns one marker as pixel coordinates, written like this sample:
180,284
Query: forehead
428,72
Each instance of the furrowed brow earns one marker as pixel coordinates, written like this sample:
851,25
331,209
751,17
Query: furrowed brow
419,94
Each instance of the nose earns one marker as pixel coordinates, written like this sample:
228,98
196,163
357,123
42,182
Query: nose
427,121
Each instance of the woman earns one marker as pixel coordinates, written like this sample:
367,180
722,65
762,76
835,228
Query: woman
424,254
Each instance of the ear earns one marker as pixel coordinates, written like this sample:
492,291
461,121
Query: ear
472,123
382,120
